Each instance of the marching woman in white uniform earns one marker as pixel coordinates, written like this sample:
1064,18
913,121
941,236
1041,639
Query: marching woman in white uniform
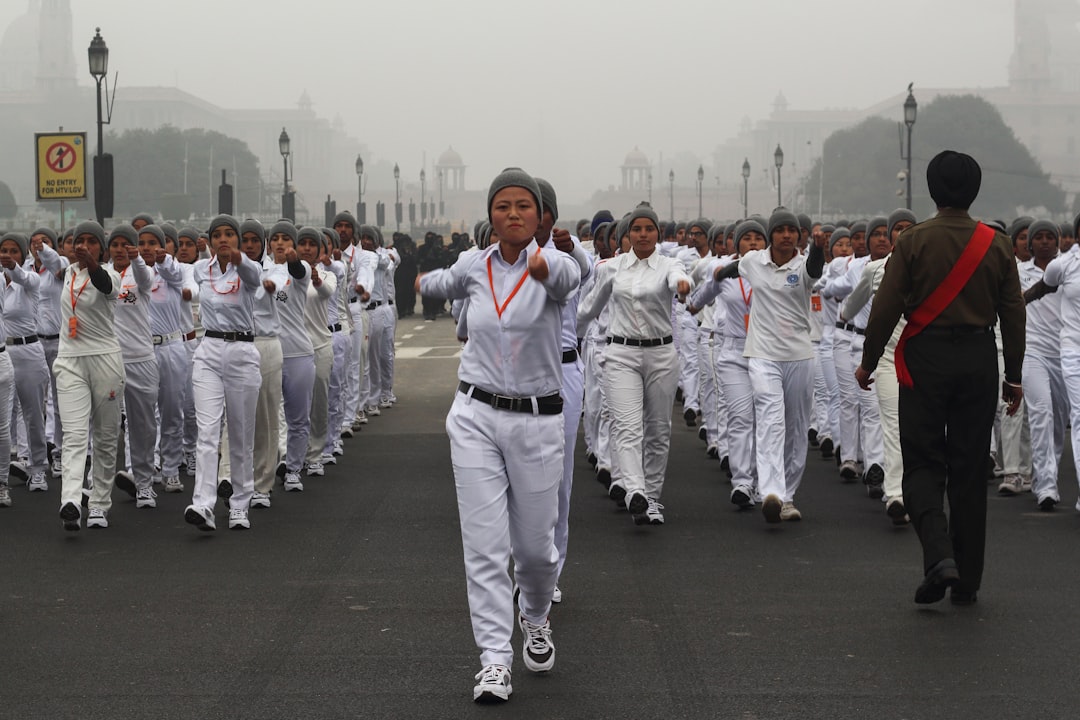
7,382
50,267
225,374
311,248
132,323
21,308
506,428
736,297
640,364
780,358
89,377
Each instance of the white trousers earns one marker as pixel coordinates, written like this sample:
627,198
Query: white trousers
639,384
319,416
734,372
7,389
54,430
597,417
336,390
297,387
225,383
870,435
265,444
850,432
782,396
140,405
191,425
709,393
831,429
1047,401
380,353
687,346
89,389
507,471
1014,439
354,399
573,388
31,384
888,396
173,365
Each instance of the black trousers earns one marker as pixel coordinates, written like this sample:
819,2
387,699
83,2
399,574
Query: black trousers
945,425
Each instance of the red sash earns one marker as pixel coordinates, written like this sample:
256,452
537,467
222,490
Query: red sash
943,296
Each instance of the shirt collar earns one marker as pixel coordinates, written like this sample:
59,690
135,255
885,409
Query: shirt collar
652,261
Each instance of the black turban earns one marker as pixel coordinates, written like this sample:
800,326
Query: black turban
953,179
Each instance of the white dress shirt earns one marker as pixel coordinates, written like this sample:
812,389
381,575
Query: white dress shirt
640,293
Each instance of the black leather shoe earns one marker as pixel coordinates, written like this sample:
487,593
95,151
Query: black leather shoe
938,578
604,476
827,448
963,598
690,417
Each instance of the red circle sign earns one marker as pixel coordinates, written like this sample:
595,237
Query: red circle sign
60,157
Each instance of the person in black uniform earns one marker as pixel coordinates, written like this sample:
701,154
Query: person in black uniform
405,276
948,394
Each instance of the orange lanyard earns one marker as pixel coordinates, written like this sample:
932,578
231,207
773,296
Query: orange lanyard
491,284
73,321
745,297
234,284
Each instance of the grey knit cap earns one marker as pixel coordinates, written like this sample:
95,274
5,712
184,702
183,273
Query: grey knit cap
710,235
369,231
47,232
1019,225
19,239
223,221
805,223
283,227
828,228
548,197
145,217
189,232
746,226
858,227
838,234
312,233
874,223
1043,225
251,225
154,230
128,233
91,227
621,228
900,214
514,177
1065,230
781,217
643,211
332,237
380,241
704,223
170,232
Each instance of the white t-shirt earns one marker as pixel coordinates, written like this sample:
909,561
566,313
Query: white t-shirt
780,319
93,311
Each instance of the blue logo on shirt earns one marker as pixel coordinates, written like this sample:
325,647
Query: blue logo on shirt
793,279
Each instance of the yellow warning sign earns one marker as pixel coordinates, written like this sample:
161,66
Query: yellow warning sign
61,166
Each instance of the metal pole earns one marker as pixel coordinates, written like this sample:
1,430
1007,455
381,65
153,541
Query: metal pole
909,167
745,198
100,141
672,188
285,188
779,195
699,184
820,181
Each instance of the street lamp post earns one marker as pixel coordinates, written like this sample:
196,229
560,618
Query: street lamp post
397,196
746,188
911,109
700,182
287,210
361,215
671,189
778,156
442,209
423,199
98,54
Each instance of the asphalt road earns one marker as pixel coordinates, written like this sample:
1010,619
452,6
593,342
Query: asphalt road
348,600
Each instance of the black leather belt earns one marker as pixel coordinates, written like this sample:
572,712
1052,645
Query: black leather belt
547,405
859,330
635,342
955,330
376,303
569,356
336,327
29,339
49,337
845,326
354,299
231,336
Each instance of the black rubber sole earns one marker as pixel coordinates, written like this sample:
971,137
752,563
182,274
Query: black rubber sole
638,505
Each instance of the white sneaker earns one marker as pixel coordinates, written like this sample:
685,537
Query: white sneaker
328,459
315,469
19,469
57,466
38,483
849,471
789,512
238,519
538,650
200,518
392,398
292,482
653,513
5,496
173,484
372,411
361,419
260,500
385,404
339,448
97,518
494,684
1011,485
556,595
189,463
145,498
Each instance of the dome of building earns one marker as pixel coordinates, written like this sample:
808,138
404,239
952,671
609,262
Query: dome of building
450,158
636,158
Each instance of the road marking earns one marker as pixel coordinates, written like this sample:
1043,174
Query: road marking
406,337
418,327
444,352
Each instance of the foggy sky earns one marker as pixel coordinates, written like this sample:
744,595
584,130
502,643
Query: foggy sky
515,83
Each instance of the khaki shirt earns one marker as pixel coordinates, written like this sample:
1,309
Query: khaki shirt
923,256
